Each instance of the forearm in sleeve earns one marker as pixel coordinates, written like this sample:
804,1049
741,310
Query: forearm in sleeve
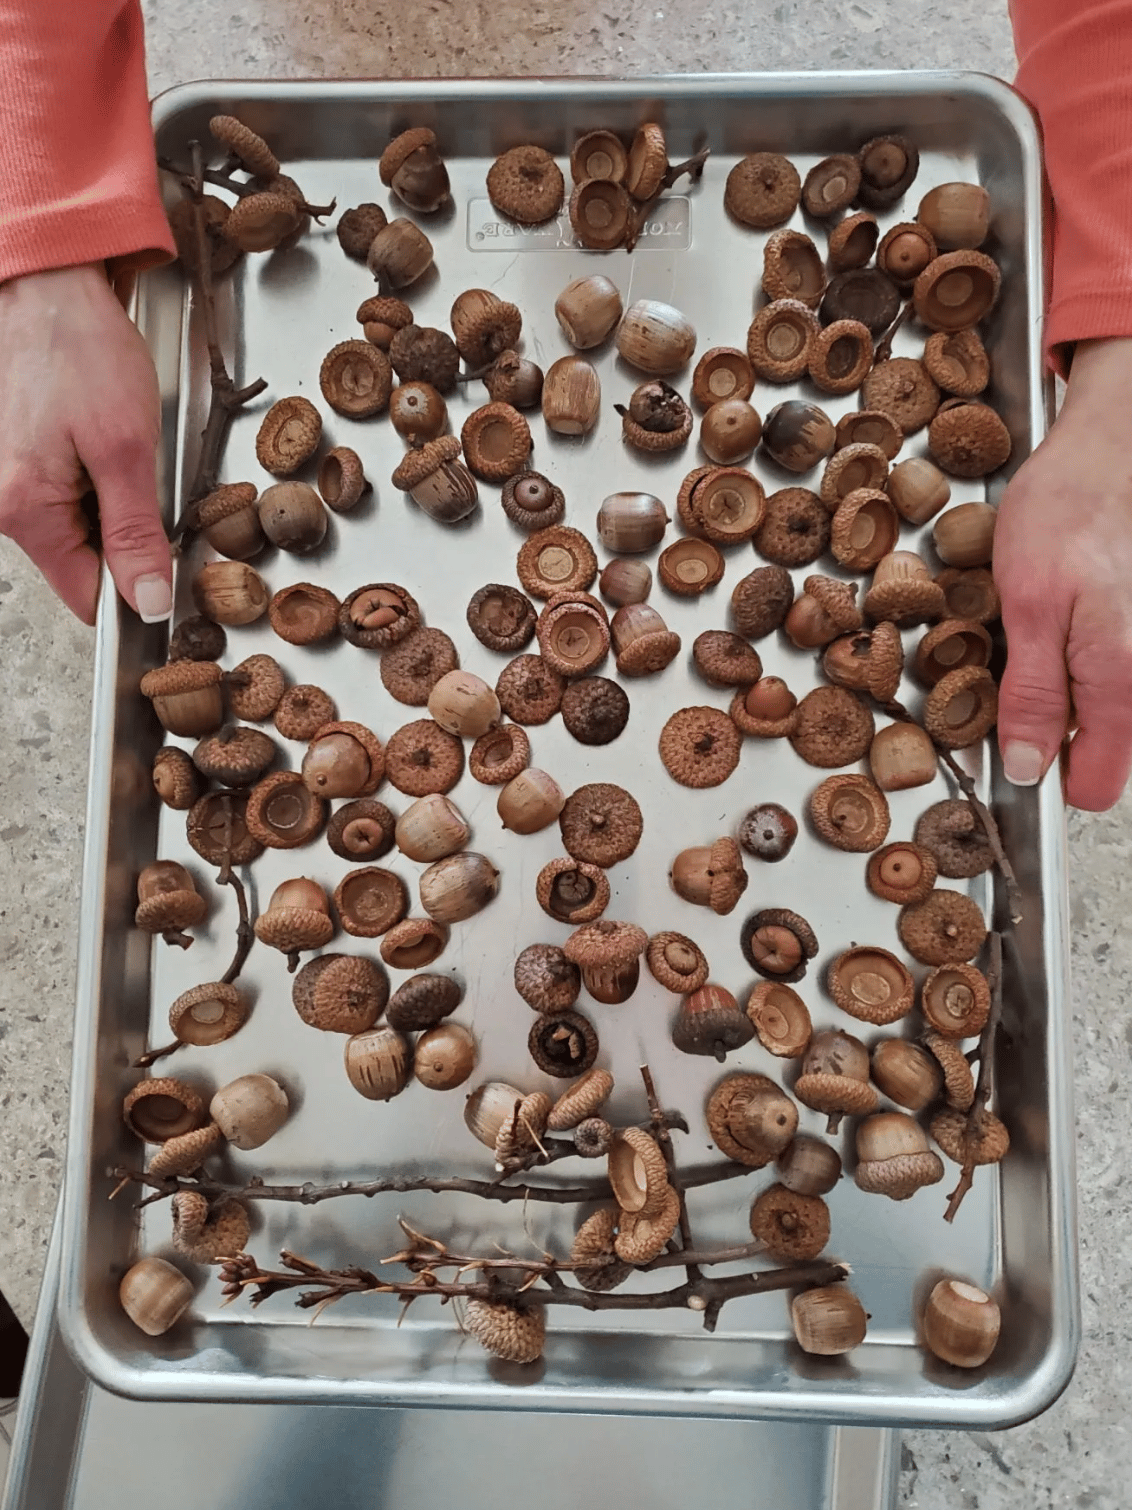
1075,68
77,176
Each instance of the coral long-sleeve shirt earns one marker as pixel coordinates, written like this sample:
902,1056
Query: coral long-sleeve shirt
78,183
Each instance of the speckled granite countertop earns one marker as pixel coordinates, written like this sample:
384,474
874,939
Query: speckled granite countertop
1078,1453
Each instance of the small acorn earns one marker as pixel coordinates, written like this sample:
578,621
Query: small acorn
343,760
168,902
798,435
902,756
710,1021
918,489
571,396
631,522
458,886
894,1157
530,801
828,1321
379,1063
229,521
512,379
655,337
175,779
624,582
587,310
250,1110
906,1073
730,431
413,168
399,254
293,517
961,1323
438,481
155,1295
464,705
431,828
751,1119
418,413
230,592
444,1056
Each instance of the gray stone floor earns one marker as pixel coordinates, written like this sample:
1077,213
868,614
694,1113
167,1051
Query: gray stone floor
1073,1456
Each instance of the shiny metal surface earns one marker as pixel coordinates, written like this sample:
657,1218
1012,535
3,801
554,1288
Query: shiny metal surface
79,1448
1015,1232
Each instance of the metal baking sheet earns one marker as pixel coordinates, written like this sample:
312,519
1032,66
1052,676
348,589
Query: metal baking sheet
279,315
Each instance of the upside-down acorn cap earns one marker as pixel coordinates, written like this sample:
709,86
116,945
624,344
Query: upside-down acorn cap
872,985
850,812
581,899
166,1089
643,1235
952,1132
515,1335
233,1015
973,683
340,993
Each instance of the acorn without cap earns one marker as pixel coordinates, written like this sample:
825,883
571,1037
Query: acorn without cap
343,760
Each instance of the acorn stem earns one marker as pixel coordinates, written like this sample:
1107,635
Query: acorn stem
984,1085
151,1056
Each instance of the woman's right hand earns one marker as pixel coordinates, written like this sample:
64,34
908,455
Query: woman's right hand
80,410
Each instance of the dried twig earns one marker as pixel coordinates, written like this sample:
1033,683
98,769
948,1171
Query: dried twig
984,1085
492,1190
664,1140
324,1286
883,351
692,166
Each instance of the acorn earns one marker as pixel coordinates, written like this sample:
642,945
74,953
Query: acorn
750,1119
964,536
587,310
960,1323
808,1165
903,873
906,1073
722,373
902,591
431,828
642,640
624,582
464,705
730,431
956,291
710,1021
399,254
489,1108
608,955
379,1063
444,1057
828,1321
168,902
710,876
175,778
894,1157
918,489
768,832
957,215
655,337
228,520
968,439
902,756
438,481
531,501
380,318
798,435
825,609
656,418
155,1295
296,918
571,396
530,801
343,760
186,696
631,522
835,1078
767,710
230,592
870,660
458,886
413,168
512,379
249,1110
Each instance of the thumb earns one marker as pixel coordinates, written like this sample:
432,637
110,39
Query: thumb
1034,703
124,473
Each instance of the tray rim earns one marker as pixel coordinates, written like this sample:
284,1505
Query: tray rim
1010,1407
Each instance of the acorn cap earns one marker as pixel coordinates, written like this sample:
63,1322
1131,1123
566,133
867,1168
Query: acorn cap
184,1154
290,929
950,646
572,891
676,962
648,162
496,441
601,823
903,873
526,184
869,427
831,185
780,1018
779,340
422,462
955,1000
262,221
302,711
393,612
889,165
841,356
413,943
644,1235
853,241
162,1108
522,1128
573,636
699,747
401,148
208,1235
546,979
356,379
905,251
303,613
529,690
956,290
970,593
968,439
234,756
595,710
750,1119
282,813
765,934
961,708
859,465
421,758
836,1095
904,600
356,230
727,504
180,676
423,354
254,687
224,501
370,900
557,559
598,154
638,1172
601,214
902,389
498,756
958,1081
947,927
957,361
762,190
171,911
515,1335
340,993
689,567
761,600
253,152
793,1227
838,601
382,310
724,659
833,727
288,435
605,943
851,813
217,829
866,527
410,669
594,1239
864,295
710,1021
899,1177
871,984
961,1143
793,268
953,834
795,528
208,1014
422,1001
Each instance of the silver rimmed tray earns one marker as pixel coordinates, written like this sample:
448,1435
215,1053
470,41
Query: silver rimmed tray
279,316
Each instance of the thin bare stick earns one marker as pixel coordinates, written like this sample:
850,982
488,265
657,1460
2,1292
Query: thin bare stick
313,1195
321,1285
664,1140
984,1085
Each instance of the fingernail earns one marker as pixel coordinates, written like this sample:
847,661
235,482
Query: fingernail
1024,764
154,598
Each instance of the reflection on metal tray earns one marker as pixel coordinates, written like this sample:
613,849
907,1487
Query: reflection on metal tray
280,315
